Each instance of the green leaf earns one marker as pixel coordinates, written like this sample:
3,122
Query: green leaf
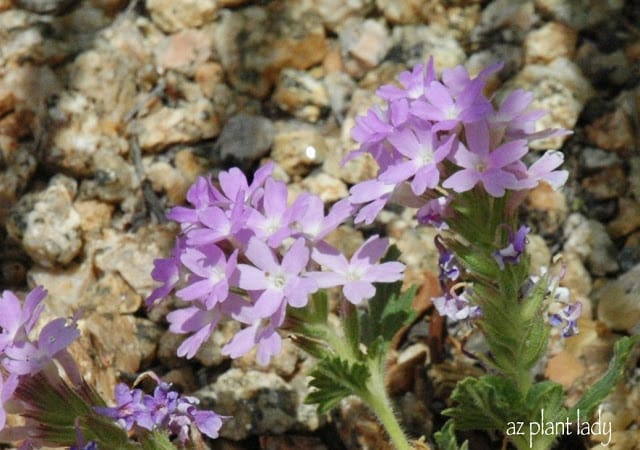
597,393
334,379
389,311
446,438
485,403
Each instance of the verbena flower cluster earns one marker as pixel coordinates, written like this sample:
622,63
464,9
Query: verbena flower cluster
37,373
245,252
21,354
164,409
442,136
436,138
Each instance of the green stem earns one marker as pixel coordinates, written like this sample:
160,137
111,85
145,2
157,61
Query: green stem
377,399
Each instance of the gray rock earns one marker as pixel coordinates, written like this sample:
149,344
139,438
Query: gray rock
579,14
516,18
47,225
414,44
340,86
634,176
297,148
591,242
114,179
301,94
245,139
172,16
258,403
619,301
592,158
364,45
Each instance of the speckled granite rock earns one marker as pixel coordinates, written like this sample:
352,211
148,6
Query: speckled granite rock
258,403
47,225
619,302
255,44
171,16
301,94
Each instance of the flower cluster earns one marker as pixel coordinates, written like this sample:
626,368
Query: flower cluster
448,135
164,409
245,252
20,354
436,138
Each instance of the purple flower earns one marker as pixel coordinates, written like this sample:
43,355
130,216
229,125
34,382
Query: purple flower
374,192
211,274
414,82
480,165
7,388
16,319
357,275
511,253
447,109
543,170
424,152
262,332
276,283
129,410
456,307
165,409
567,318
25,357
449,270
166,271
201,195
435,212
272,224
312,223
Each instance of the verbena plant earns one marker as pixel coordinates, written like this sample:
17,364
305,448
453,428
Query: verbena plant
247,252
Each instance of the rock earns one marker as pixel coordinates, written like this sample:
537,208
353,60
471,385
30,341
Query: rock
245,139
414,44
559,88
172,17
291,442
168,349
593,159
564,368
576,276
185,50
131,255
300,94
607,184
604,68
187,123
630,254
512,56
628,219
416,244
548,206
111,295
327,187
255,44
552,40
47,226
18,166
613,132
298,148
67,288
538,252
579,14
339,87
516,18
364,45
83,131
258,403
589,240
634,176
114,179
208,76
409,11
334,13
94,215
619,301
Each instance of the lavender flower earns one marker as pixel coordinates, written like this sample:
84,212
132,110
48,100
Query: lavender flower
165,409
357,275
17,320
435,212
511,253
7,387
567,318
456,307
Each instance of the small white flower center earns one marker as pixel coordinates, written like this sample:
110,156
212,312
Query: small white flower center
277,280
451,113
